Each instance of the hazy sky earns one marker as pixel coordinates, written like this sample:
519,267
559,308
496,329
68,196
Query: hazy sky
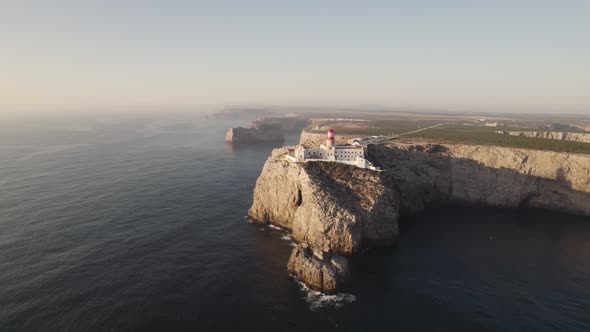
464,55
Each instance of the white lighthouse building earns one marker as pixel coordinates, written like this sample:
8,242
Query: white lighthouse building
346,154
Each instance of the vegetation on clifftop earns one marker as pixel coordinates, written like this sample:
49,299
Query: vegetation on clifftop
479,135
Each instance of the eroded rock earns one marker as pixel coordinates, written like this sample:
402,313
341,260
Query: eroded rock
321,271
330,206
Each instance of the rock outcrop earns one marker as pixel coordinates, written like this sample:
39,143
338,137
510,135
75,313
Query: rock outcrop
332,207
558,135
265,130
321,271
336,210
257,134
485,175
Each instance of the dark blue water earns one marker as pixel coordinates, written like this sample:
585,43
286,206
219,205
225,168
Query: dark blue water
136,222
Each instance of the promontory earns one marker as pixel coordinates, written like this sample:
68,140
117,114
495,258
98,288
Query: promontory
335,210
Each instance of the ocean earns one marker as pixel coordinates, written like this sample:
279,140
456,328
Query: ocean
136,222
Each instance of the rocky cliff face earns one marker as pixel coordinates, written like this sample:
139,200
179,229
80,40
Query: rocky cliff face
485,175
326,272
558,135
265,130
258,134
335,210
332,207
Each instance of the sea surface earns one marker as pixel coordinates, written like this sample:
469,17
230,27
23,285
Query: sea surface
136,222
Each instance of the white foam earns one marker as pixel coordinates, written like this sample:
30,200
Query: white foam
318,300
275,227
286,237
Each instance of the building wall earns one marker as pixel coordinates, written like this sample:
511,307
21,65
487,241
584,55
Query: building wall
348,154
352,156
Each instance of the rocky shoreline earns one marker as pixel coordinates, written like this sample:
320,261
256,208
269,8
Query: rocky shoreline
334,210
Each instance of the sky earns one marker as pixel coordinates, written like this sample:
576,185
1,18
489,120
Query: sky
492,55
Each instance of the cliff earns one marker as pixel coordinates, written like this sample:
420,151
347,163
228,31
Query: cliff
486,175
558,135
330,206
335,210
265,130
255,134
288,124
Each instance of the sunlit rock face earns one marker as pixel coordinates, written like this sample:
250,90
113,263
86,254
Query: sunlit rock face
330,206
485,175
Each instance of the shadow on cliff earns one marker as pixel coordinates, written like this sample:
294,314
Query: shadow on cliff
334,178
426,176
362,193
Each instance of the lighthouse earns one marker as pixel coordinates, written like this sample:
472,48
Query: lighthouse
330,138
345,154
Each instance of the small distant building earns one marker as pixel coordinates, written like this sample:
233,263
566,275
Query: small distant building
346,154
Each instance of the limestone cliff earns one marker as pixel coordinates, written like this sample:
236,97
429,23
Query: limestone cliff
486,175
330,206
321,271
558,135
265,130
256,134
336,210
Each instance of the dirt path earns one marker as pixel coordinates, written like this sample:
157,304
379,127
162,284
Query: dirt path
418,130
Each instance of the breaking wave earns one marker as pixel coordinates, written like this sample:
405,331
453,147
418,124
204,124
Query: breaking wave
318,300
275,227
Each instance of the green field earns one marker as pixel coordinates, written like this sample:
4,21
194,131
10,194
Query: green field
478,135
454,132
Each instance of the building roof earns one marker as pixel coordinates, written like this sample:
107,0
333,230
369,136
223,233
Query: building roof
356,147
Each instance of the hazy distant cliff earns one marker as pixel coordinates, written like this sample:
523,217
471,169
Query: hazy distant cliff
265,130
334,210
259,134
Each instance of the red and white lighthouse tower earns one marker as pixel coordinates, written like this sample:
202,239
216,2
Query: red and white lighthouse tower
330,139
